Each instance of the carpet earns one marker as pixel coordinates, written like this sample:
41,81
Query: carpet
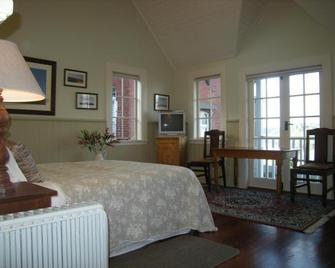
185,251
305,215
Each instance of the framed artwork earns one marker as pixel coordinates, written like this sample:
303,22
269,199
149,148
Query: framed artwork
44,72
161,102
75,78
86,101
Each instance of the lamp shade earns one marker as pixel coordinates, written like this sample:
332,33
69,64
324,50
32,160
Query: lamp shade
16,79
6,9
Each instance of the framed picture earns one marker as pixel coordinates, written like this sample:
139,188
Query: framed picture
86,101
161,102
75,78
44,72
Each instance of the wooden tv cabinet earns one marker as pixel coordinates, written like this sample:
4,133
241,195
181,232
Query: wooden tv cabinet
171,150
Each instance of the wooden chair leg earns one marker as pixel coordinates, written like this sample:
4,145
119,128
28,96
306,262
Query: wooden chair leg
308,185
324,190
292,185
208,177
223,173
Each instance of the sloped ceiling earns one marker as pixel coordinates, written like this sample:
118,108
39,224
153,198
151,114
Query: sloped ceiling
193,32
323,11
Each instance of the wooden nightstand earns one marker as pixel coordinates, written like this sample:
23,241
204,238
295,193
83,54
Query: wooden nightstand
26,196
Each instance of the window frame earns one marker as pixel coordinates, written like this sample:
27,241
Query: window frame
117,69
196,111
122,97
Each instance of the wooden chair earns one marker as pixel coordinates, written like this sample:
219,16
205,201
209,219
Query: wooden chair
213,139
318,165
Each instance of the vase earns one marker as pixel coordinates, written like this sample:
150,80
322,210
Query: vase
99,156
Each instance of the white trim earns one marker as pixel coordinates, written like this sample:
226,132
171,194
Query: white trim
131,142
196,141
142,74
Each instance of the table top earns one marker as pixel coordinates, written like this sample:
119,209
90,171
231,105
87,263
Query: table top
242,148
26,190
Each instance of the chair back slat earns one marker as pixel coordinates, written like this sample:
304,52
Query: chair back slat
213,139
321,145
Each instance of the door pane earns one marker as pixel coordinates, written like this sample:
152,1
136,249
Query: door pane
297,127
312,83
312,122
273,87
296,106
273,128
266,121
260,108
296,84
312,105
273,107
304,109
260,127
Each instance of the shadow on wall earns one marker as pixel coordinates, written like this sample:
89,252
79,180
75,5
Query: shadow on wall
10,26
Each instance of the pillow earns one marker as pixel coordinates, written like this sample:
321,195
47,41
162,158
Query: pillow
13,170
26,163
60,199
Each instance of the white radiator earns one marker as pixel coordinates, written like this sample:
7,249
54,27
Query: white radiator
74,236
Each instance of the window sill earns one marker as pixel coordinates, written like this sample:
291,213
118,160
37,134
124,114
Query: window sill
196,141
131,142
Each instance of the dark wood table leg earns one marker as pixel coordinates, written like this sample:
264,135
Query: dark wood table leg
235,172
279,182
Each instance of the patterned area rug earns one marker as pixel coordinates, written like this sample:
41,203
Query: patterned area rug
268,208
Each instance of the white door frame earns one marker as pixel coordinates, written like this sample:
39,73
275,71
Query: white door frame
325,99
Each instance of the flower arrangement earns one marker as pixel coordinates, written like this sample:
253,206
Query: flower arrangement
95,141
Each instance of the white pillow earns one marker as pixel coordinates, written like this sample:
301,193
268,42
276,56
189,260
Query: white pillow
58,200
13,170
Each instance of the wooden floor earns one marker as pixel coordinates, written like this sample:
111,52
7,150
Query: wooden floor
263,246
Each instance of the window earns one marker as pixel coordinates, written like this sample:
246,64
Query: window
126,106
207,104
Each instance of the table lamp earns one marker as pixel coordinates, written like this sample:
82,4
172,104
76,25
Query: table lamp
6,9
17,84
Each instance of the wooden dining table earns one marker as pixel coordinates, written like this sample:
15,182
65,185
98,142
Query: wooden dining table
279,155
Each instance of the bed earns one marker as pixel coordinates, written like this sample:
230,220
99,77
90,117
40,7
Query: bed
144,202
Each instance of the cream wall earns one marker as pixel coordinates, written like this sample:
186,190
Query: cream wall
284,37
84,35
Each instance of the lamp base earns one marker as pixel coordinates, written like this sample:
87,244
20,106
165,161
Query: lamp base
5,184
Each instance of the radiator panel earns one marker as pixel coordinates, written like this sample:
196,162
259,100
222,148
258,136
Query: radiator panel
67,237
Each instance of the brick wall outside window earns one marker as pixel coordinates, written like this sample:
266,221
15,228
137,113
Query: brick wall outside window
208,104
124,99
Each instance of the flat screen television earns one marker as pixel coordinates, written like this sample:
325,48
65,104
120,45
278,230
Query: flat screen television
171,123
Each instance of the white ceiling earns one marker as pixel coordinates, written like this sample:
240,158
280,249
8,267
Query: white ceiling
202,31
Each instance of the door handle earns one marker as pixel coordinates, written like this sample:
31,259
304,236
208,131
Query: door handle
287,124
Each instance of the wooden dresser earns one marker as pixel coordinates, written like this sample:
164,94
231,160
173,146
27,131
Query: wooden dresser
26,196
171,150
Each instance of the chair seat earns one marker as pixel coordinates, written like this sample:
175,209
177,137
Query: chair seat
204,161
316,167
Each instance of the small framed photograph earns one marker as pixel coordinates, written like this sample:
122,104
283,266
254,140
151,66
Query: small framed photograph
86,101
75,78
161,102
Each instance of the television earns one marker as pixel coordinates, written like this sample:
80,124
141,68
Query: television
171,123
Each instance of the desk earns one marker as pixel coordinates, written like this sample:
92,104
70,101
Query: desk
251,153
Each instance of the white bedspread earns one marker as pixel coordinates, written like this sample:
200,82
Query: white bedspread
144,202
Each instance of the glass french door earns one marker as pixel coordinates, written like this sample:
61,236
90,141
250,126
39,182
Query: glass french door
282,107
